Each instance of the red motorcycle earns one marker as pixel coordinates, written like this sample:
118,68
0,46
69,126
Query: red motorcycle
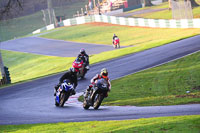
79,65
116,43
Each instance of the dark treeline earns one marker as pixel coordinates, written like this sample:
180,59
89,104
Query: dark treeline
17,8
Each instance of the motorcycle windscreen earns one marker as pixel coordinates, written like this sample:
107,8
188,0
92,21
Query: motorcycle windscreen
66,86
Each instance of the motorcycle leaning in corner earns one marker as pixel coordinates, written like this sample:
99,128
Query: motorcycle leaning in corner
79,65
116,43
95,96
63,93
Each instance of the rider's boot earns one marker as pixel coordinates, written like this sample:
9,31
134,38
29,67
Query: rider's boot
55,89
88,90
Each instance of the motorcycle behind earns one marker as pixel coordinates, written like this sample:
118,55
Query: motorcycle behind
116,43
95,96
63,93
79,65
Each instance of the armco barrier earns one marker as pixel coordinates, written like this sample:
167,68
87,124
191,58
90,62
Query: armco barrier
139,22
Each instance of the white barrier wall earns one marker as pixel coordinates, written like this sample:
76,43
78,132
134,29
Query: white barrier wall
50,27
36,31
80,20
67,22
139,22
196,23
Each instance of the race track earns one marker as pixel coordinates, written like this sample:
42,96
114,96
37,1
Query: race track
33,102
50,47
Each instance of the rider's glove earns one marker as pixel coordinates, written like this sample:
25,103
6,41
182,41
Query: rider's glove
90,86
87,67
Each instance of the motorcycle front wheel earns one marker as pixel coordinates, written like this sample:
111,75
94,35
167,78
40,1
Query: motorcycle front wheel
97,101
85,104
63,97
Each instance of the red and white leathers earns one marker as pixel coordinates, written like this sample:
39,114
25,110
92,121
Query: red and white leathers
96,77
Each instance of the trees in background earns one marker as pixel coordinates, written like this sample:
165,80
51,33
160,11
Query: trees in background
147,3
193,3
9,8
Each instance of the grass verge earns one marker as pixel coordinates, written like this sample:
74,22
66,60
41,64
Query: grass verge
183,124
163,85
23,66
21,26
101,33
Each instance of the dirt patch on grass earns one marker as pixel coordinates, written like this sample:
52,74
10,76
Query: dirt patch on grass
189,95
196,88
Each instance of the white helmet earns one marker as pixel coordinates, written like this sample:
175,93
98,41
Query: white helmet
104,73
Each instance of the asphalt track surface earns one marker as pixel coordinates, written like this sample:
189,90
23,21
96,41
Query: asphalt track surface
33,102
50,47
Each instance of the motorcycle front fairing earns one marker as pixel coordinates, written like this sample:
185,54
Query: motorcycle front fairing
78,63
99,90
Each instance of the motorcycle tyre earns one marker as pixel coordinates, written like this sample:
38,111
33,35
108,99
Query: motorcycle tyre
85,104
97,103
82,77
118,45
57,104
63,98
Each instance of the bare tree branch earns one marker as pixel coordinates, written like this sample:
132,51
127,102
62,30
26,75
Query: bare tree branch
7,9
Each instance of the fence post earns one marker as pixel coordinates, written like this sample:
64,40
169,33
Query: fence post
1,63
7,75
82,11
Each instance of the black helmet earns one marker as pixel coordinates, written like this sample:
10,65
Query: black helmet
104,73
82,51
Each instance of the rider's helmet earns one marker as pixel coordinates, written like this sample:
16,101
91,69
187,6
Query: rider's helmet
114,35
82,51
104,73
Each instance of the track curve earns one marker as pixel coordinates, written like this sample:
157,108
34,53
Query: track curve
50,47
33,102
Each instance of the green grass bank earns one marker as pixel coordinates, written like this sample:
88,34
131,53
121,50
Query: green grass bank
24,66
101,33
183,124
167,84
22,26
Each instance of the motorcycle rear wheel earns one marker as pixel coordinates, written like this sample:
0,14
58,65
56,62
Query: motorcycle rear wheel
118,45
